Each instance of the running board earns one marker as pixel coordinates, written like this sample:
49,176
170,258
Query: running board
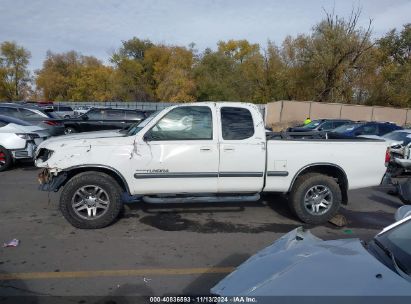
201,199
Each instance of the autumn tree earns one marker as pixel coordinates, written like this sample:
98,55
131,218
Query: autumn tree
14,74
74,77
172,72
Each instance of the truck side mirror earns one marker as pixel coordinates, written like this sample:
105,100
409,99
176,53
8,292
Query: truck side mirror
147,136
84,117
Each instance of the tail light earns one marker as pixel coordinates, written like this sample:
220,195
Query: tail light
387,156
52,123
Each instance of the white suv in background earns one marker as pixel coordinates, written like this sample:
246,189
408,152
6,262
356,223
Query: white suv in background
18,140
64,111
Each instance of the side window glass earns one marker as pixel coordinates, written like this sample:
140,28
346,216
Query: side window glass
29,114
327,126
115,115
9,112
370,130
96,114
134,115
184,123
236,123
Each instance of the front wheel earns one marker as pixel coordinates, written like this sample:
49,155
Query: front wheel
315,198
91,200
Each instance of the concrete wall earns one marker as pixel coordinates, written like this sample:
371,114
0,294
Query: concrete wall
288,111
275,113
295,110
399,116
354,112
324,110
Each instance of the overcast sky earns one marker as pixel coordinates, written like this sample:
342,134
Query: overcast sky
97,27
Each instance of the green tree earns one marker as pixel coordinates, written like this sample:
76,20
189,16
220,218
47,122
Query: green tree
14,75
133,77
389,82
215,77
325,65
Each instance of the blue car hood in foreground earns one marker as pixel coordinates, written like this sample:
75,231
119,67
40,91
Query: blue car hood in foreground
300,264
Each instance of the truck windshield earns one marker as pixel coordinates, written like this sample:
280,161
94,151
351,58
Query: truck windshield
135,128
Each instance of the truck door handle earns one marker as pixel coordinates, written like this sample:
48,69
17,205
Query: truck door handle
229,149
205,149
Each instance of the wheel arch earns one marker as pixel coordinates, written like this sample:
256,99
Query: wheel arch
329,169
114,173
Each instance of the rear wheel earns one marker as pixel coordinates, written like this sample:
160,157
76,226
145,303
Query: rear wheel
315,198
6,159
91,200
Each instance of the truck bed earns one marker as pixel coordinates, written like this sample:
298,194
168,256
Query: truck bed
361,159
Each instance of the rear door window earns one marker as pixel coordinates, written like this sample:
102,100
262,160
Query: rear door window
327,126
96,114
236,123
369,130
115,115
26,113
134,115
9,112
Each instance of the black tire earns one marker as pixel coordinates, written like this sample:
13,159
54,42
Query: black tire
69,130
6,159
99,179
302,187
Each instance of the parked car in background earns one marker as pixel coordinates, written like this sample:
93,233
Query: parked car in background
18,140
367,128
103,119
320,125
41,104
63,111
80,110
44,118
300,264
398,137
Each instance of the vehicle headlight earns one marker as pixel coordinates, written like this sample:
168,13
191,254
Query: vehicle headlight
27,136
44,154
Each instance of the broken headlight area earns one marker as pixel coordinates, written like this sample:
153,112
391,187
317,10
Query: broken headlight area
45,176
51,182
44,154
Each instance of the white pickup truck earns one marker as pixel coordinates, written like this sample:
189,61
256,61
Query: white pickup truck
203,152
